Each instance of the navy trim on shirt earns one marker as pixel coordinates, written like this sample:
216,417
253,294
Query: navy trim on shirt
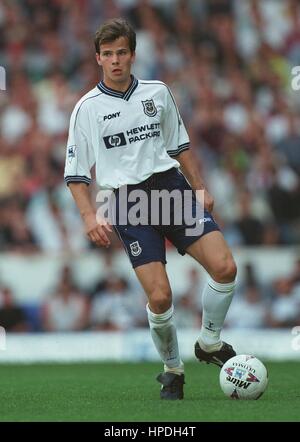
181,148
77,179
124,95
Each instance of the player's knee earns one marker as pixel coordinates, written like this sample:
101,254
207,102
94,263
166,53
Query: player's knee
225,271
160,299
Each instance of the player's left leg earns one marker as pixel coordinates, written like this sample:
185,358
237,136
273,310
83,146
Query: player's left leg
213,253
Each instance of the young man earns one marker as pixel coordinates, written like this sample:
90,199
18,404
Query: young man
132,130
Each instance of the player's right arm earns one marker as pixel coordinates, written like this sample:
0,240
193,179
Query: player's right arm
80,159
95,229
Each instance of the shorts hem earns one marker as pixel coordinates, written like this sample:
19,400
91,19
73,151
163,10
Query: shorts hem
147,261
183,251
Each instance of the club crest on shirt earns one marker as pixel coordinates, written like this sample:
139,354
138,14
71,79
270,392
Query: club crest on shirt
149,108
135,248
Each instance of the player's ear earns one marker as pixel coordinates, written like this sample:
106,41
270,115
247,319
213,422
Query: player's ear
98,59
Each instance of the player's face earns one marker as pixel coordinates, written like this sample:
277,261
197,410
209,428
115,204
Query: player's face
116,60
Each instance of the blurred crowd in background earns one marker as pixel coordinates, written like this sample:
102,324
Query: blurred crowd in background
117,304
228,63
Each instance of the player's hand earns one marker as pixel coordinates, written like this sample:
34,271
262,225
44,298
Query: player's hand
205,199
97,229
208,201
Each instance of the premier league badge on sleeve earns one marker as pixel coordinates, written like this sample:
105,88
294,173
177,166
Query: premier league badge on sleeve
149,108
71,153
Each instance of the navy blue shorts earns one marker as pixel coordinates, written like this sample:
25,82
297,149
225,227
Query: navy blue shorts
144,242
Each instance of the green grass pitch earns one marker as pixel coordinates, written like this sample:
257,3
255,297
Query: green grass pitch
115,392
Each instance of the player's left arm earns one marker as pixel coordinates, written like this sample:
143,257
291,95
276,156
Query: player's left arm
177,142
188,165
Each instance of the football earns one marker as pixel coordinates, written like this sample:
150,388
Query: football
243,377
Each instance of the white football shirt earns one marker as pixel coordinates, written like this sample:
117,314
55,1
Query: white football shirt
128,135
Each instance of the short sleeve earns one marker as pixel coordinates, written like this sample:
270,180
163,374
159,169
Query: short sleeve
80,156
174,131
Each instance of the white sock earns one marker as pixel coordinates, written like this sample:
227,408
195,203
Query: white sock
216,300
164,336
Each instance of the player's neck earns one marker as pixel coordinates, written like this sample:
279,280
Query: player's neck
120,86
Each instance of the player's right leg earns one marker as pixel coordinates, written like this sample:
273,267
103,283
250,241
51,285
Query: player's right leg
154,280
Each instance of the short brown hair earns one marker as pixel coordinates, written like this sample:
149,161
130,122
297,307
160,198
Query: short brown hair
112,30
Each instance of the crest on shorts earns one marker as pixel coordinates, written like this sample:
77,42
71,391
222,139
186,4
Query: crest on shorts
135,248
149,108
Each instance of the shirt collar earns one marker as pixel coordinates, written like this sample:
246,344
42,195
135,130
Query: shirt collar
124,95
